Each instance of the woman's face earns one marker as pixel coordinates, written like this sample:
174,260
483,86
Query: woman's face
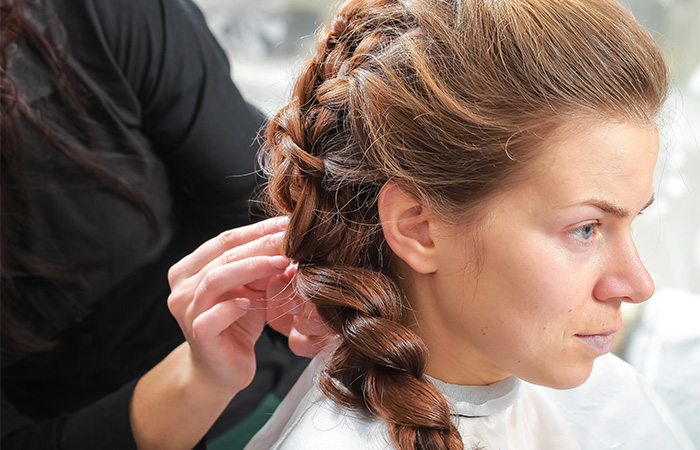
538,295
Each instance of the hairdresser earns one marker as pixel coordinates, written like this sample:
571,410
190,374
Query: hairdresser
125,146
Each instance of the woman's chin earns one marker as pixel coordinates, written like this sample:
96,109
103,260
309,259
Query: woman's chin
563,379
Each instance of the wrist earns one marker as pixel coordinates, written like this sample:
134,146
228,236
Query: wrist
199,381
174,404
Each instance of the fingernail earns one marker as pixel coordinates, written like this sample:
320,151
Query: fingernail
242,303
291,270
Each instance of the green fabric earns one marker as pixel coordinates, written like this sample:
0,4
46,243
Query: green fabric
238,436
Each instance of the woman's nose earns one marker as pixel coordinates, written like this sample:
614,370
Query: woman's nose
624,276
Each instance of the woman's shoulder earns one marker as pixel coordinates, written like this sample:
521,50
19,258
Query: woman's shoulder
322,424
309,420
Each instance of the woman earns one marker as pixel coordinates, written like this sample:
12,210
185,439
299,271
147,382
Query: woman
125,145
461,178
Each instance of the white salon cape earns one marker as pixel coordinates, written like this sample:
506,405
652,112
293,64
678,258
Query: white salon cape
613,409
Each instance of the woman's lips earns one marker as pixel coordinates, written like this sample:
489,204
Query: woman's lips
600,343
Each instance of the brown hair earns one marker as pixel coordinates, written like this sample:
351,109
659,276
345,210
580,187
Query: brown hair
19,36
449,99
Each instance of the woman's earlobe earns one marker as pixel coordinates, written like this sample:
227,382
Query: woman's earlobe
407,226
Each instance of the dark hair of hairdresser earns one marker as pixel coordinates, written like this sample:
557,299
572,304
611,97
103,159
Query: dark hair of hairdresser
72,137
449,100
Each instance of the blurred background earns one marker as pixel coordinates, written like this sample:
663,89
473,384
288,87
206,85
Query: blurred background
268,40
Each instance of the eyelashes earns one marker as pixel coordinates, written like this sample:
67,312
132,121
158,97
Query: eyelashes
585,232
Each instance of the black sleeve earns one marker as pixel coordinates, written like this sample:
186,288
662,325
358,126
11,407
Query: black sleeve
192,113
103,425
20,432
198,123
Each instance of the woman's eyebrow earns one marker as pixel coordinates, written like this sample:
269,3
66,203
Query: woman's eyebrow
609,207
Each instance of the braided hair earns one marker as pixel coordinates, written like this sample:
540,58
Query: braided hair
449,100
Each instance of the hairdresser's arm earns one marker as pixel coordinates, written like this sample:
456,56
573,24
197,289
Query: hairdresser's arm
218,300
175,403
192,113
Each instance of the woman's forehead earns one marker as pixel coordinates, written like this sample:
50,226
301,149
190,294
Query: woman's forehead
605,161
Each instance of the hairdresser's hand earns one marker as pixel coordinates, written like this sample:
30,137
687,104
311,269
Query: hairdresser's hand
295,316
218,298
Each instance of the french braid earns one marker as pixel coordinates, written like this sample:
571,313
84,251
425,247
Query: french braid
380,364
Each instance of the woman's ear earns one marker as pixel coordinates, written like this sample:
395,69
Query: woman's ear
407,226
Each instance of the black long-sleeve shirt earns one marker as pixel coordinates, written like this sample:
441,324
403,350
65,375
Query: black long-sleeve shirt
170,122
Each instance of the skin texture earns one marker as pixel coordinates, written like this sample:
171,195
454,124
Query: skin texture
553,261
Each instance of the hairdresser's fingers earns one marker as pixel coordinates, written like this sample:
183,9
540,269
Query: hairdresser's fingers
215,247
280,290
268,245
309,322
279,320
292,302
308,346
232,321
283,283
223,279
282,301
281,323
192,296
219,317
235,269
295,317
309,333
223,341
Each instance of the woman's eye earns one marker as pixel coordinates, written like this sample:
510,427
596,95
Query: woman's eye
584,232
